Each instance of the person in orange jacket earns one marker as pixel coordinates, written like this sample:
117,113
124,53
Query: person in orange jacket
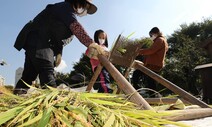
154,56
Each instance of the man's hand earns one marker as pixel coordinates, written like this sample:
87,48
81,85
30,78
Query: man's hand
95,49
58,60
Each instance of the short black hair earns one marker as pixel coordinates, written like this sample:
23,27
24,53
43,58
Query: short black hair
154,30
96,37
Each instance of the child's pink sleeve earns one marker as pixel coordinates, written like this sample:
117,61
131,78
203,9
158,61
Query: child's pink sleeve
86,52
94,63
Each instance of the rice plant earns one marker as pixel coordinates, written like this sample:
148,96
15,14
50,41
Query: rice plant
59,108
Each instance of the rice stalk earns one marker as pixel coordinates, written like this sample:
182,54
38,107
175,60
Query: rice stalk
52,107
33,120
110,121
45,118
8,115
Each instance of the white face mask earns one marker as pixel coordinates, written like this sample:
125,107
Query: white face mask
153,37
101,41
81,12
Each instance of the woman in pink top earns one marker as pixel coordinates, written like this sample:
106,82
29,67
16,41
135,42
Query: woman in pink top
103,81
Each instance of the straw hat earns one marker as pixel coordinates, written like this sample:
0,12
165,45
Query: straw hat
92,9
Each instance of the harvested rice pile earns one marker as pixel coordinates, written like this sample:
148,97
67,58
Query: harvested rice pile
58,108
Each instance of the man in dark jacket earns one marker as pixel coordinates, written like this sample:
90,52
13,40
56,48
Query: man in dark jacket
44,38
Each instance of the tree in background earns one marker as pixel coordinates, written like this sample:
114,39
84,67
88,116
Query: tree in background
83,67
185,54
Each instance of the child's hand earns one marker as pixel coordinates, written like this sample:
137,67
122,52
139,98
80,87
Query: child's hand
95,49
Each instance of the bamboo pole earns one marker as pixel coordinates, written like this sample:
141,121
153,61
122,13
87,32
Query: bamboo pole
187,96
188,114
95,76
126,75
164,100
123,84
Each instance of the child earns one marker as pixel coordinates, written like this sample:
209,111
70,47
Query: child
103,81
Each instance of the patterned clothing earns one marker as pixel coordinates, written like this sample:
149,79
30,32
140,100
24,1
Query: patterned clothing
80,33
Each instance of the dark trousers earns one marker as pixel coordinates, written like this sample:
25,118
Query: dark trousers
102,84
32,68
140,79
